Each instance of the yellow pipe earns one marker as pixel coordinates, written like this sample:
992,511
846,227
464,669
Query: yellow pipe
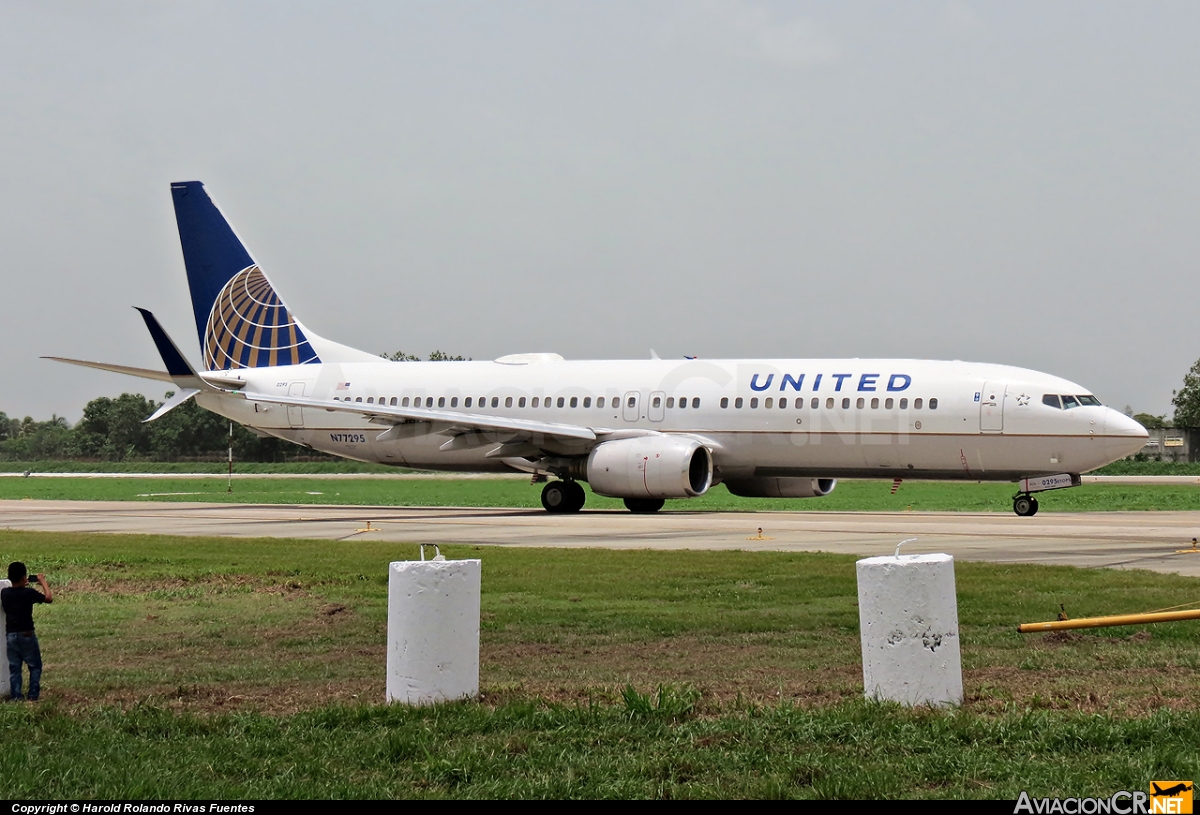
1104,622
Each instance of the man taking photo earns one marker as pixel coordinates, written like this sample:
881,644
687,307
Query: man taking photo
18,602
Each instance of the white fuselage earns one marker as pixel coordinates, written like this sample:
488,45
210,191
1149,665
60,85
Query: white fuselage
838,418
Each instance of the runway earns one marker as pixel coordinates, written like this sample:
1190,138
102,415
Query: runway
1132,540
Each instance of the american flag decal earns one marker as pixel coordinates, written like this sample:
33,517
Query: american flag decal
342,386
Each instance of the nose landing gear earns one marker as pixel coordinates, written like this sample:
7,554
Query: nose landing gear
1025,505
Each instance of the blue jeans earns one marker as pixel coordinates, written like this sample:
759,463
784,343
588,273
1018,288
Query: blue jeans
23,647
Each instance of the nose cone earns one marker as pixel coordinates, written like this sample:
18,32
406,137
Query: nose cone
1123,436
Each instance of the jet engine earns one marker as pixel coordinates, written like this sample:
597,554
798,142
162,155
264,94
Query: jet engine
650,467
782,487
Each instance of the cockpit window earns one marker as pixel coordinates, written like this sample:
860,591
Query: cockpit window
1052,400
1069,402
1089,400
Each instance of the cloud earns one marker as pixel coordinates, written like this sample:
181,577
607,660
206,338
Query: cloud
753,31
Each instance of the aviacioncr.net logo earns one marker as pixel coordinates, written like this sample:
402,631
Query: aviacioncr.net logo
1119,803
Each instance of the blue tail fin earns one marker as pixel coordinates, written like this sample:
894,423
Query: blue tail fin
241,321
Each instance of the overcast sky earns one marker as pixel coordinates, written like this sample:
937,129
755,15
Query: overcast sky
1004,182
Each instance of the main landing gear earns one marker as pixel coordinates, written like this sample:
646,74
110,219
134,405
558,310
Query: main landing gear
644,505
563,496
1025,505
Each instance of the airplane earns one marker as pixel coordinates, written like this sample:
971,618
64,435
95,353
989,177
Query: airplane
640,430
1171,792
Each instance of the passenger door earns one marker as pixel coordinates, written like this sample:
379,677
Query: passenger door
296,414
991,407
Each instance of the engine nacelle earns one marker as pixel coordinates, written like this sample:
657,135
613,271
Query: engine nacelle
782,487
650,467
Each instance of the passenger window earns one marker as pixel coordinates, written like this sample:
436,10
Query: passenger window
1051,400
1069,402
587,401
632,401
561,401
453,401
724,402
933,403
916,404
682,401
875,403
358,399
370,400
815,403
466,402
769,402
600,402
535,402
861,403
404,402
508,401
738,402
754,402
829,403
670,401
695,402
574,401
888,404
904,403
392,401
441,401
783,402
656,401
521,402
846,403
495,401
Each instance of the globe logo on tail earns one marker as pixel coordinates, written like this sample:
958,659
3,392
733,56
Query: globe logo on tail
250,327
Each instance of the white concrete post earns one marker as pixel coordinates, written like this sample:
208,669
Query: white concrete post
5,692
433,631
908,614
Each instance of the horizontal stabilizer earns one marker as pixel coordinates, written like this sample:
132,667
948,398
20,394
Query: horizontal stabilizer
172,403
140,373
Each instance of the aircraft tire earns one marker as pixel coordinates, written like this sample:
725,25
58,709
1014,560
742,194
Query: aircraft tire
644,505
576,497
556,497
1025,505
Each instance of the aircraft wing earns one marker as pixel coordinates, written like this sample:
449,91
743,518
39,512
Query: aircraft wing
386,414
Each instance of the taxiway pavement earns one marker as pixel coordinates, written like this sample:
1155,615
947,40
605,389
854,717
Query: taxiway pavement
1137,540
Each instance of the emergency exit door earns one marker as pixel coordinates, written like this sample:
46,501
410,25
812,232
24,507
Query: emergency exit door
630,404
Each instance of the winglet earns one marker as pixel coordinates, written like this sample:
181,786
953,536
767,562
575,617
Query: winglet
182,373
177,366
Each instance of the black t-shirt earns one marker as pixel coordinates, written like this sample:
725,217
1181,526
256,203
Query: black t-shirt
18,605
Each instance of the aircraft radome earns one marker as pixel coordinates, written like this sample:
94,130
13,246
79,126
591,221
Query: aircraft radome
641,430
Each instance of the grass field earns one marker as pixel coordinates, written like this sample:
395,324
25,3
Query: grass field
874,496
195,668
